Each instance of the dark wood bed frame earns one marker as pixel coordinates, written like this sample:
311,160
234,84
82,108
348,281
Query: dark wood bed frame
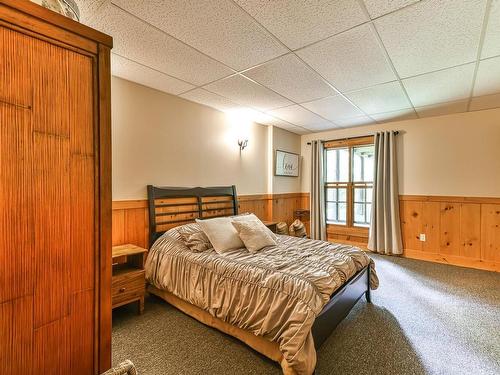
174,206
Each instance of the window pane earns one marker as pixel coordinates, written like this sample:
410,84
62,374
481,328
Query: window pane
336,209
362,214
342,195
337,165
362,163
331,194
331,211
342,214
363,195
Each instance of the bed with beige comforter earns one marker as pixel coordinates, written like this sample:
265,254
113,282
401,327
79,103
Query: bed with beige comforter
275,293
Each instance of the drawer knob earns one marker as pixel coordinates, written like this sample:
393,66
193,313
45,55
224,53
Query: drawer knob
121,290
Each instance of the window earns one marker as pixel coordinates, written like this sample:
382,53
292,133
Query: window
349,181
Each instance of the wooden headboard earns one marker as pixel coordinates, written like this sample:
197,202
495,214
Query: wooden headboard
173,206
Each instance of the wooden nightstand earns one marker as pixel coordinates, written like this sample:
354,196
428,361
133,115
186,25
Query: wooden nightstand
129,281
271,225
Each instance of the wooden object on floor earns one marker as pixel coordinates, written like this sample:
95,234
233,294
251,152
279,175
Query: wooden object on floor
271,225
129,281
55,191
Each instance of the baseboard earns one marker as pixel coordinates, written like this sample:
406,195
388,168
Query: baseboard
452,260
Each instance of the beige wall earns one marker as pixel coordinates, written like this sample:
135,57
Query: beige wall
456,154
161,139
285,141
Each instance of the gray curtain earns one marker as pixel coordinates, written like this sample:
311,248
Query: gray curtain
385,227
318,219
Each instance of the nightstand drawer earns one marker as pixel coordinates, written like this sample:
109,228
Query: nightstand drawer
128,286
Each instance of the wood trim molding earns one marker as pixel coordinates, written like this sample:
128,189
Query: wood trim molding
452,260
449,199
35,16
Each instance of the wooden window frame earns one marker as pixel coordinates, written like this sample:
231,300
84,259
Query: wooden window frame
349,228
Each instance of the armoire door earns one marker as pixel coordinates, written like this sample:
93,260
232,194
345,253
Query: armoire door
48,199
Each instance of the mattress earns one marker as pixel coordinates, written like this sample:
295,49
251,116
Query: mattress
276,293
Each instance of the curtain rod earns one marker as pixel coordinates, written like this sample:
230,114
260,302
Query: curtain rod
396,132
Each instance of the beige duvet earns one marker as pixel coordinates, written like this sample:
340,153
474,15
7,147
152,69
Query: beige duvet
276,293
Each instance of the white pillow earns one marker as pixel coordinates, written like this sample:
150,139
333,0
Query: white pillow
252,217
254,234
221,234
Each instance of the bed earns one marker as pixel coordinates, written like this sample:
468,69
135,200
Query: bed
283,301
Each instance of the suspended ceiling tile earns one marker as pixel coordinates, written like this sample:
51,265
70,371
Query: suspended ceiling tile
299,23
355,121
442,109
134,72
243,91
333,108
377,8
221,29
404,114
140,42
432,35
488,77
485,102
381,98
491,45
297,115
351,60
439,87
209,99
291,78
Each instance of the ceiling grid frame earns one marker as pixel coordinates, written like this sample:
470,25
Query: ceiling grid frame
388,58
370,21
480,49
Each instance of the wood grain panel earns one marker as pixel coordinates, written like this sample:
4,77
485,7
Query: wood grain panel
490,232
16,336
137,227
15,79
55,194
470,230
80,104
82,333
463,231
51,199
411,224
51,90
449,241
16,221
82,236
430,224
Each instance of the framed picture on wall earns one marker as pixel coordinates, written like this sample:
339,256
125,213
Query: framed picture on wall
287,164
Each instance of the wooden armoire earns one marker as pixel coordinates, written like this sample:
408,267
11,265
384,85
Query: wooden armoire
55,194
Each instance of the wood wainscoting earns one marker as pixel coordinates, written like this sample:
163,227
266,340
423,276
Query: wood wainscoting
463,231
131,221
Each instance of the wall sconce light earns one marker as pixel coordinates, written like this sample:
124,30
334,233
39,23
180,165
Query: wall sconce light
242,143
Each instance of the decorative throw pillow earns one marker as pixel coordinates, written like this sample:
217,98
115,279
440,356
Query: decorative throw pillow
221,233
254,234
252,217
196,241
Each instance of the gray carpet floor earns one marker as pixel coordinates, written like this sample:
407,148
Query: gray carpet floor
426,318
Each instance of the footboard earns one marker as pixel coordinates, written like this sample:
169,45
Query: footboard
340,304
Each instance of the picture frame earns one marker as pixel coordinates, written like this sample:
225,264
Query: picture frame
286,164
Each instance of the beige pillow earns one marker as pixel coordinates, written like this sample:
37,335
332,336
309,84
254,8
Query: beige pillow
254,234
252,217
196,241
221,233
